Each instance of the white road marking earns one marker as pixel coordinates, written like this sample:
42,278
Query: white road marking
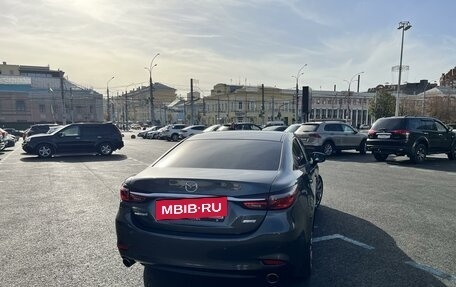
433,271
7,156
338,236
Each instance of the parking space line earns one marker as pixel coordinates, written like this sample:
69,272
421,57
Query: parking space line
7,156
338,236
433,271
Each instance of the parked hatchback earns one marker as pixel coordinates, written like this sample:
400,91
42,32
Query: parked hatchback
76,138
331,136
415,137
229,204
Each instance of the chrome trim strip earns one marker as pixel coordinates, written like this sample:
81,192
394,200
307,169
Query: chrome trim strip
183,196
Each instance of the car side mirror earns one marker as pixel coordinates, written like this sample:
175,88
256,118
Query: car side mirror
318,157
60,135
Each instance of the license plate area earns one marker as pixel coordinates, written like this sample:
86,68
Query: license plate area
198,209
383,135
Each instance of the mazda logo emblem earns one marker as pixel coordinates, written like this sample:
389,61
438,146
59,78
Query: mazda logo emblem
191,186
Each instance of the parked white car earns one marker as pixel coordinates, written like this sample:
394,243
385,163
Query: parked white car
191,130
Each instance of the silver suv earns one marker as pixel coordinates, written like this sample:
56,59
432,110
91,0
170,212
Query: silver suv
171,132
331,136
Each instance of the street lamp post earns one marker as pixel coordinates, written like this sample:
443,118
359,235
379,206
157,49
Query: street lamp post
108,104
151,88
297,91
348,97
404,25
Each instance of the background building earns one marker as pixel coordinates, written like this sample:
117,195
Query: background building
257,104
34,94
133,106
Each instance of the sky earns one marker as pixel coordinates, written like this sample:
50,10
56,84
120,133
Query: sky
246,42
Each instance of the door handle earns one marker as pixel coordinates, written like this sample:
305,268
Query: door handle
78,138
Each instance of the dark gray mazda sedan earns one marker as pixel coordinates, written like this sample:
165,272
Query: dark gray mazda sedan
238,204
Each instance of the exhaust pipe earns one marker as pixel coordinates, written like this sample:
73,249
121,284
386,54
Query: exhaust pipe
128,262
272,278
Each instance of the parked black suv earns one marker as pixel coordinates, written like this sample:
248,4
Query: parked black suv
414,137
76,138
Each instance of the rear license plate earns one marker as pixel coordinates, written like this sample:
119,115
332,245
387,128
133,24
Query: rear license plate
193,208
383,136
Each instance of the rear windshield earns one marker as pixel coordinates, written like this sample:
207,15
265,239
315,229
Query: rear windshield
308,128
225,154
389,124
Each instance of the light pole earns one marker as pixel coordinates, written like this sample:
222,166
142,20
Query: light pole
297,90
151,88
404,25
348,97
107,93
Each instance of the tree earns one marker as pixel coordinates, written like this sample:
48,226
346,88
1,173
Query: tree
383,105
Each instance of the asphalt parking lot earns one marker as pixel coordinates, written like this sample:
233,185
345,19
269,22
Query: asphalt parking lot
380,224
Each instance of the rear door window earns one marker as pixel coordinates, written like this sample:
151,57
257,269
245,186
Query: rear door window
389,124
308,128
333,128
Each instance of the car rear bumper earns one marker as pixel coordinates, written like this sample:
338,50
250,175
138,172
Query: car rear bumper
398,149
213,255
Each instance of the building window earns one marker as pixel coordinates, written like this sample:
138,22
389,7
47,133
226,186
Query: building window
239,105
20,106
42,108
91,109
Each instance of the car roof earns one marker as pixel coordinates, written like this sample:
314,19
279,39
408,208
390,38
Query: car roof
243,135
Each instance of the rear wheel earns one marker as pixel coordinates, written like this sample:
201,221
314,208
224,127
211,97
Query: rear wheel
105,149
302,273
45,151
174,137
362,147
328,148
380,156
452,153
419,153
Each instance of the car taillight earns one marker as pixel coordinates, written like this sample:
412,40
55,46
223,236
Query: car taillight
274,202
127,196
371,132
314,135
260,204
400,132
283,200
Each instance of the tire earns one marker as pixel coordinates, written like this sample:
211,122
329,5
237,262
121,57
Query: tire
174,137
319,191
149,277
154,136
304,271
328,148
419,153
105,149
452,154
380,156
362,147
45,151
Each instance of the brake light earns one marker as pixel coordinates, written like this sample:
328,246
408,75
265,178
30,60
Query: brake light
401,132
317,136
127,196
284,200
260,204
276,262
274,202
